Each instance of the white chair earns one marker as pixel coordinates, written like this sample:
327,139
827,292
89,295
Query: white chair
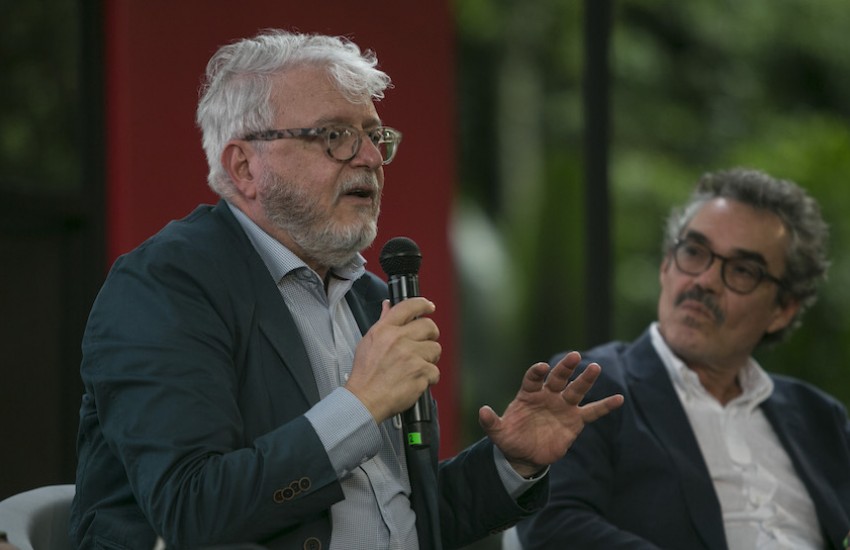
510,539
38,519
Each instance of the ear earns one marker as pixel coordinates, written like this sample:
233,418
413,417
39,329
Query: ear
239,160
783,315
665,265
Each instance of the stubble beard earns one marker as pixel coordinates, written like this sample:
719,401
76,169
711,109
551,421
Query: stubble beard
687,333
311,227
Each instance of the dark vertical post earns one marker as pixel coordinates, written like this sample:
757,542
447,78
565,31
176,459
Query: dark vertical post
598,270
86,252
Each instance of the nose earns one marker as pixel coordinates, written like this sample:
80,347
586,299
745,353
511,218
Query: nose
711,278
369,155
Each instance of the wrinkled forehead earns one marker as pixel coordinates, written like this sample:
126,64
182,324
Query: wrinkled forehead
306,94
729,226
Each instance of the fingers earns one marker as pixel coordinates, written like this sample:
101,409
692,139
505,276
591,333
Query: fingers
396,360
430,352
410,314
487,418
578,388
406,310
598,409
554,379
535,377
560,374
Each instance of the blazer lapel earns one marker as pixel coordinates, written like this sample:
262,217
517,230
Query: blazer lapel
656,399
364,299
272,315
276,322
798,442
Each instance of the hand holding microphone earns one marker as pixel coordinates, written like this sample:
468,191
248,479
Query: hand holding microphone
396,360
400,259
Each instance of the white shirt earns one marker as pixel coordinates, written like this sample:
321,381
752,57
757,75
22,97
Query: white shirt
763,501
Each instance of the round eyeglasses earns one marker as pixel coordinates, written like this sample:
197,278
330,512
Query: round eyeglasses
342,142
741,275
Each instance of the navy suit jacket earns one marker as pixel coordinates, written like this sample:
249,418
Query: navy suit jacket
636,478
192,422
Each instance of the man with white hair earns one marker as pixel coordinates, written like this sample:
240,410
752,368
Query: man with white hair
244,373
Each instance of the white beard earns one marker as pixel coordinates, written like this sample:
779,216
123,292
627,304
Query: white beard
299,215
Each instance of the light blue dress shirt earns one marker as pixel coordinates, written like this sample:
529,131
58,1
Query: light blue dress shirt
368,458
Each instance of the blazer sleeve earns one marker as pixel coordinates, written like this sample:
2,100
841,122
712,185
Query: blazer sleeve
473,499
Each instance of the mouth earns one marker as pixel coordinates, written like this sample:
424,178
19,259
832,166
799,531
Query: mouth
692,306
360,192
361,187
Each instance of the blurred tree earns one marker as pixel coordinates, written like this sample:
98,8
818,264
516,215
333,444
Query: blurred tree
520,205
697,86
39,99
706,85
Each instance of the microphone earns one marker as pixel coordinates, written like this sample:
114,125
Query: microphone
400,259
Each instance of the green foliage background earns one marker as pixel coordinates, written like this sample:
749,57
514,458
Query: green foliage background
39,116
697,86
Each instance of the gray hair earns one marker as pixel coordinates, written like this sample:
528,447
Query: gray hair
234,99
806,263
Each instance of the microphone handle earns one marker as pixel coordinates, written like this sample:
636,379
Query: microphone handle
417,418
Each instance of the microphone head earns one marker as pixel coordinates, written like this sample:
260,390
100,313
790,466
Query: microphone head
400,256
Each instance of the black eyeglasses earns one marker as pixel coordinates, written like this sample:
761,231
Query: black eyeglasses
342,142
741,275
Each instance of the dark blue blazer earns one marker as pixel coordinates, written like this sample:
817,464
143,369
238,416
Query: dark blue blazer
637,479
192,422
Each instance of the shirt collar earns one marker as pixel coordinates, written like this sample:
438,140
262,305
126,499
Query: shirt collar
756,385
281,261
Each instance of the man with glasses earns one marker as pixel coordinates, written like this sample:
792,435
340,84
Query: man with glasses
244,373
710,451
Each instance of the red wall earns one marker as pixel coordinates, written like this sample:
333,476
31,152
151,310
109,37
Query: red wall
156,52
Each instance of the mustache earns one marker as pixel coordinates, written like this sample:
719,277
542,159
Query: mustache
368,181
699,294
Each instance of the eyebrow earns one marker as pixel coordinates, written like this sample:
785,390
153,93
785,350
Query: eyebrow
737,253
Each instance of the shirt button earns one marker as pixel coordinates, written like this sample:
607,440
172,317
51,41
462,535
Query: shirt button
312,544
